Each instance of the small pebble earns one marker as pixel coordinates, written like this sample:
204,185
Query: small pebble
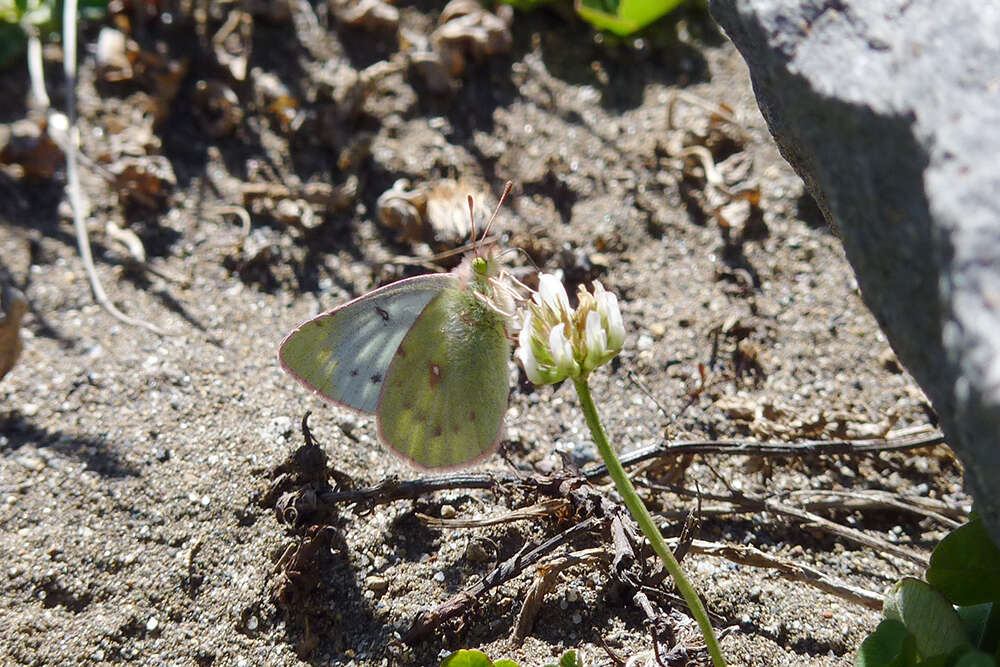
32,462
476,553
439,577
448,512
376,584
152,624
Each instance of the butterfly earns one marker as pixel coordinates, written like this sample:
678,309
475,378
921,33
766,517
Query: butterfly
427,356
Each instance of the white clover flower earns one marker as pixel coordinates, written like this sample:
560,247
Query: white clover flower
524,353
596,339
562,352
558,342
611,316
551,294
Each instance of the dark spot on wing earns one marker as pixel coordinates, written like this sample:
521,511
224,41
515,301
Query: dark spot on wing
376,378
400,352
438,430
472,415
383,313
354,373
435,376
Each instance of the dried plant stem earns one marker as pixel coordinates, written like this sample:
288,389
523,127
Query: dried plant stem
645,521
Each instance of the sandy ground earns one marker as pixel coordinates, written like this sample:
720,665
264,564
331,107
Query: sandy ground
132,464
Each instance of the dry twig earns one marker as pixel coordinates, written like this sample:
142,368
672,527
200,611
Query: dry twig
561,496
429,619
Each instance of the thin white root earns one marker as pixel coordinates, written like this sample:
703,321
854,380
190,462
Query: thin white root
73,175
36,70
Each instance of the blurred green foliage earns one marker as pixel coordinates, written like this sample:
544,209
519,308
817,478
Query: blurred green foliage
472,658
621,17
44,17
950,620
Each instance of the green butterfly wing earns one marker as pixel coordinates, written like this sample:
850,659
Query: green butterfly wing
344,354
445,393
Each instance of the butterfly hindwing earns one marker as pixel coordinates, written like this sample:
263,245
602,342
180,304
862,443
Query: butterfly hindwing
345,354
445,392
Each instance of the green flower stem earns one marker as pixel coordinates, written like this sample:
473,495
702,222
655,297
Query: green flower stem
645,521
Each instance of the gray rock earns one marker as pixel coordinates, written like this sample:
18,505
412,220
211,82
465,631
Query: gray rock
890,112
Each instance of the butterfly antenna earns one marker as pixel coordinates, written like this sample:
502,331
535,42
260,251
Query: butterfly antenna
472,223
477,240
523,252
508,186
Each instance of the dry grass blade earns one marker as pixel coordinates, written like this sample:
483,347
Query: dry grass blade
789,570
948,515
851,534
903,439
743,503
536,511
546,576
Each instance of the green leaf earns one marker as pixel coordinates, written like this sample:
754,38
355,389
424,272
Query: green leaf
570,659
986,636
39,13
644,12
990,639
889,645
473,658
941,660
9,12
975,659
13,42
965,566
976,620
624,17
467,658
928,616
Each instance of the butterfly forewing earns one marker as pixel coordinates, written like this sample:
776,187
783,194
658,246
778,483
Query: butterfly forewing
345,354
445,393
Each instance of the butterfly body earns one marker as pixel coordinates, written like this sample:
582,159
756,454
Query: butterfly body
427,355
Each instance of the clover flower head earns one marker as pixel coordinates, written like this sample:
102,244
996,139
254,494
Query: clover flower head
559,342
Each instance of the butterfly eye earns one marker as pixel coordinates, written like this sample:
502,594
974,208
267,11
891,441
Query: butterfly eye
480,266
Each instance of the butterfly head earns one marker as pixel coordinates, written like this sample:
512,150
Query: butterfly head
480,266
